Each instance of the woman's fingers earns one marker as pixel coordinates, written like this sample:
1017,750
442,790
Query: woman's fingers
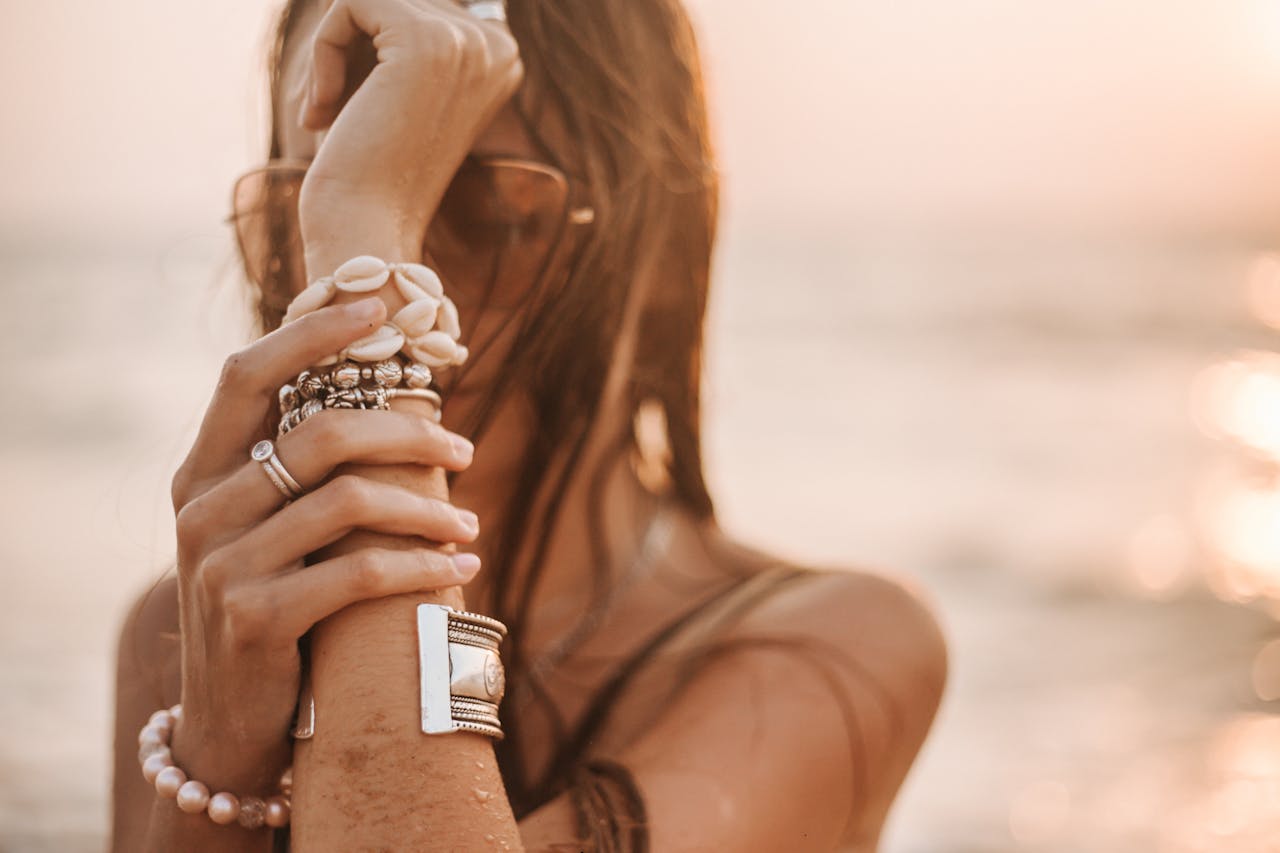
246,391
291,603
398,29
336,436
311,452
335,39
329,513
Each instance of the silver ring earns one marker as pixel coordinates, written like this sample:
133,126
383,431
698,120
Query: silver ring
264,452
488,10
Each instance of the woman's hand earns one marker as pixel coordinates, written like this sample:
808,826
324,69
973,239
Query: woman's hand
436,77
245,597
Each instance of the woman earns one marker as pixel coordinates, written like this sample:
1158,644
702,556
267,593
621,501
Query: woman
667,688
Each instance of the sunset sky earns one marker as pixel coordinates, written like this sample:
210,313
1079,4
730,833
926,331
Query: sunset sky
131,117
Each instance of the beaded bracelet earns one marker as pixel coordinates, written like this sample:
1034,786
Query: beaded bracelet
193,797
352,385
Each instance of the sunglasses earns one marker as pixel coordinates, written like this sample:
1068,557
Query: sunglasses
493,239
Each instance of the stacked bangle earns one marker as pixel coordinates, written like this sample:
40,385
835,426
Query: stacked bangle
354,385
193,797
368,374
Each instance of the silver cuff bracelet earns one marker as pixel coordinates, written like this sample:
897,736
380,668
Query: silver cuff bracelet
461,675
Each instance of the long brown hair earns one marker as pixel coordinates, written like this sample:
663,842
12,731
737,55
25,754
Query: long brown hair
623,78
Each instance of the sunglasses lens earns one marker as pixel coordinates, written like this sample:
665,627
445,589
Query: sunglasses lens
496,230
491,240
265,214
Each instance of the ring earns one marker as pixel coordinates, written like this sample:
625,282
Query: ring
488,10
265,452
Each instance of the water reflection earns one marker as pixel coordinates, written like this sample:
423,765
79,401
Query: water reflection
1242,522
1221,796
1160,558
1237,400
1263,289
1233,803
1240,809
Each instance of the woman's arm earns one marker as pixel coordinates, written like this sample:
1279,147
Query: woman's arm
243,596
370,779
147,680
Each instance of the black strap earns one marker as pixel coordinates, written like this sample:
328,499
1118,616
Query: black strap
603,703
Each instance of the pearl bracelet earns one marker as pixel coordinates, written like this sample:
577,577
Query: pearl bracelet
193,797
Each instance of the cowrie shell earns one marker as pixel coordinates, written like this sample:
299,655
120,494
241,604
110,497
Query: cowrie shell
361,274
448,319
315,296
379,346
418,317
428,358
411,278
437,343
460,354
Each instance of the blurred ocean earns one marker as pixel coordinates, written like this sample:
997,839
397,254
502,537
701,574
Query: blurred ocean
1011,423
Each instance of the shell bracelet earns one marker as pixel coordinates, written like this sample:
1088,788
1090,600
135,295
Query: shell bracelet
426,329
193,797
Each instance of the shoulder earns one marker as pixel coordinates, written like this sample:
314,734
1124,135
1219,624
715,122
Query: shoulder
806,709
867,647
885,622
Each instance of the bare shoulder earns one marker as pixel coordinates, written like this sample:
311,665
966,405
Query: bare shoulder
878,640
803,717
886,623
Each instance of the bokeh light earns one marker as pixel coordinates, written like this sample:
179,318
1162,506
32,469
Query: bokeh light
1239,399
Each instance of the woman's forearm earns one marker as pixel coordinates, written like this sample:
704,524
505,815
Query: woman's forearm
369,778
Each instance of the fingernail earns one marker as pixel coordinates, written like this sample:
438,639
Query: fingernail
469,520
462,448
466,564
365,309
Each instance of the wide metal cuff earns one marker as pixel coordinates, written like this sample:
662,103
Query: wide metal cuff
461,676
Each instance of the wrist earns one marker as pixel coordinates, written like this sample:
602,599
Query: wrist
329,241
225,765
